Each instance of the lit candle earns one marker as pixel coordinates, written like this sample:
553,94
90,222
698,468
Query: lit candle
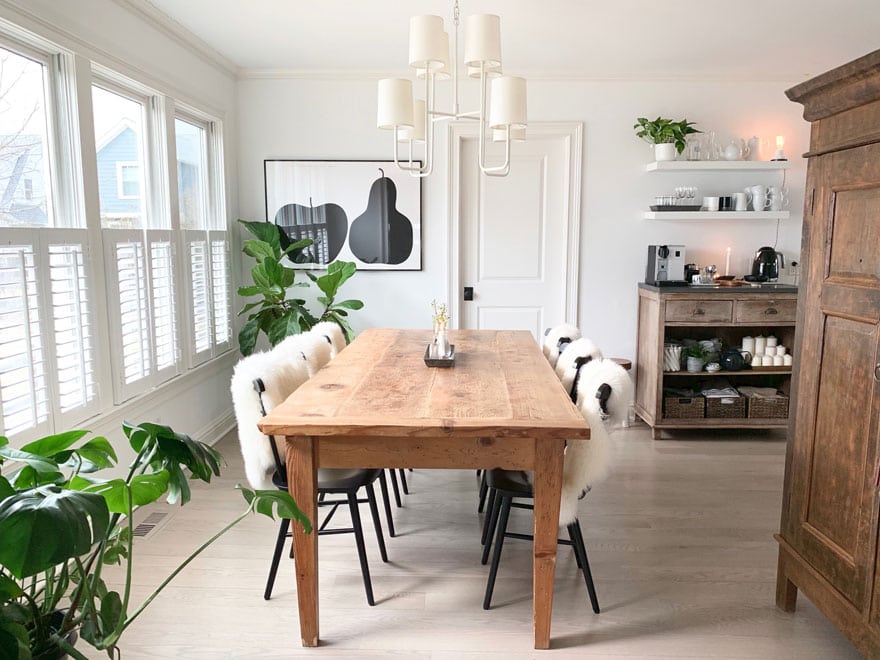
727,263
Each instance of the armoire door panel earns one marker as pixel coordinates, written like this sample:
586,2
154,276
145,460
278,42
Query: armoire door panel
855,235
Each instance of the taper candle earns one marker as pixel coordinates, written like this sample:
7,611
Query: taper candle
727,263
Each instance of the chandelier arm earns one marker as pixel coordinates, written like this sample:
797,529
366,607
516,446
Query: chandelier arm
499,170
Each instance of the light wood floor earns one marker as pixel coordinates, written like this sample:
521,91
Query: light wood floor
679,538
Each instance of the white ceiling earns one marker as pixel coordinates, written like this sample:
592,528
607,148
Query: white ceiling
786,40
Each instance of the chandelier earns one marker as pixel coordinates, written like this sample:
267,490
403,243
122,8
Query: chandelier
502,103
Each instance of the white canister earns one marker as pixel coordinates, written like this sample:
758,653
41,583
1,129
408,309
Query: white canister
770,350
781,350
778,360
767,361
748,344
787,360
772,341
760,345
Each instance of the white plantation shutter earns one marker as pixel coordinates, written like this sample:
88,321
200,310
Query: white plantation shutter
45,319
24,396
220,285
141,287
200,290
74,351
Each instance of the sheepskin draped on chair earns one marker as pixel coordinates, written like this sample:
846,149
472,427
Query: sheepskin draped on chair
562,334
578,352
332,333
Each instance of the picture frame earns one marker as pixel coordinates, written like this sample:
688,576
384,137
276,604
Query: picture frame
365,211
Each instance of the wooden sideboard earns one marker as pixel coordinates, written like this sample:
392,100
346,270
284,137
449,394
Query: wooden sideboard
828,542
727,313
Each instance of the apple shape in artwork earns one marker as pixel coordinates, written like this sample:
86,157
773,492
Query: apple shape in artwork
325,224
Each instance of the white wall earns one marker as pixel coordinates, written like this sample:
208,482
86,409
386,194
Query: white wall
335,119
103,31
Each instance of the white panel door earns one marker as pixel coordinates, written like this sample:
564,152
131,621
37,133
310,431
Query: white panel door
516,234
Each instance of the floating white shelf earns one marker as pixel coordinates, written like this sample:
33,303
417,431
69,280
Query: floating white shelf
710,165
716,215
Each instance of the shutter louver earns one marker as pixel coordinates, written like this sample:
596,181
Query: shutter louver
220,290
201,295
70,317
164,326
24,400
133,312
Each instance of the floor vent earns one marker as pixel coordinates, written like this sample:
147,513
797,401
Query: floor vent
149,523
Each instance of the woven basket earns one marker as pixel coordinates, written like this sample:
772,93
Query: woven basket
678,407
768,407
726,407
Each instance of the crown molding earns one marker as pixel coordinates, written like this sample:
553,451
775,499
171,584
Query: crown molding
179,34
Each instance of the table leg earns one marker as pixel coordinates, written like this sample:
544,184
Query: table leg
302,472
548,491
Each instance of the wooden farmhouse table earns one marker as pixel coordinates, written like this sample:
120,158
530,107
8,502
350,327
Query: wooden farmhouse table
377,405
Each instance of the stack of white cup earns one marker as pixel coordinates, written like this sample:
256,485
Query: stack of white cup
766,351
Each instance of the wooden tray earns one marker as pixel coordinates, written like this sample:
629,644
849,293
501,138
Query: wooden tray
675,207
448,361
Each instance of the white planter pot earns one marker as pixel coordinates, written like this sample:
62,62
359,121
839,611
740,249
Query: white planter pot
694,364
665,151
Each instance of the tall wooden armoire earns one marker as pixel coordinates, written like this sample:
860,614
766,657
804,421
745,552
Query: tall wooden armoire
828,543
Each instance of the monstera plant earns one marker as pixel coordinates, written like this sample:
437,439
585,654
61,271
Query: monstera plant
276,313
61,523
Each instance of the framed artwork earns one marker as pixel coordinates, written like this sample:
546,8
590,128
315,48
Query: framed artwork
366,211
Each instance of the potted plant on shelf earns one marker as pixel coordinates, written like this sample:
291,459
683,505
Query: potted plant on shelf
61,523
696,357
275,314
667,136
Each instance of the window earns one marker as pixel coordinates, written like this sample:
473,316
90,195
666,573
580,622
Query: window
47,357
204,229
138,242
128,177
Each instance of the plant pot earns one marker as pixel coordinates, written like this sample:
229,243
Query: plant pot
694,364
665,151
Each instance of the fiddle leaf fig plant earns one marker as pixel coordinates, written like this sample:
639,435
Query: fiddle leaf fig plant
662,131
61,523
276,313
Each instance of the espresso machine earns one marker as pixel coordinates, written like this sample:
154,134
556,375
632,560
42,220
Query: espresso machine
665,265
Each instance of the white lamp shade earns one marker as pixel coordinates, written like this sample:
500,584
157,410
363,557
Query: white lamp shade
507,105
516,135
491,71
395,107
482,40
428,43
417,132
441,72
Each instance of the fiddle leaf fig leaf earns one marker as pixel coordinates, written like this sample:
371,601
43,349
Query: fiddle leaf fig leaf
247,338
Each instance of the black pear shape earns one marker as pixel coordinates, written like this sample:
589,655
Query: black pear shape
381,234
326,225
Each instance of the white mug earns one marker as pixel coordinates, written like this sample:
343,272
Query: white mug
776,198
759,197
740,201
710,203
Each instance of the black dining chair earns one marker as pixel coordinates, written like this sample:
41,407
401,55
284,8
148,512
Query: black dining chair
331,481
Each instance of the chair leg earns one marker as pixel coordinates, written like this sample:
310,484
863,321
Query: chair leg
374,511
484,489
577,539
276,557
489,524
361,548
504,505
403,481
396,488
383,485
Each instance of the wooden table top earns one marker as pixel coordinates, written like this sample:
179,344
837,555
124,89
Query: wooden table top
501,385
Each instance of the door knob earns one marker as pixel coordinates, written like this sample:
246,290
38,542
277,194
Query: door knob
468,293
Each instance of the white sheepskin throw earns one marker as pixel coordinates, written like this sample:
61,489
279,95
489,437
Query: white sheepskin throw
313,348
566,366
333,333
587,461
280,378
551,340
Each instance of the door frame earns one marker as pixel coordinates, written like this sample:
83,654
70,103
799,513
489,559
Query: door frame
572,133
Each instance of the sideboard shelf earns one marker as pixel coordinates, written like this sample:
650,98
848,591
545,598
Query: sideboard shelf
716,215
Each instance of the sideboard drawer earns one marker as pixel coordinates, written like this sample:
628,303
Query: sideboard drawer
699,311
765,311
